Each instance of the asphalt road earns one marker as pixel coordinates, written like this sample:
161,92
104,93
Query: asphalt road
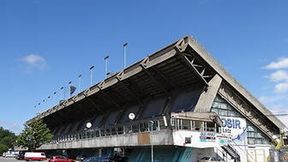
14,160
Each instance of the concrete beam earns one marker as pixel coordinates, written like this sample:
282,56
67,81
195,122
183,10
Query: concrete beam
163,137
190,42
207,97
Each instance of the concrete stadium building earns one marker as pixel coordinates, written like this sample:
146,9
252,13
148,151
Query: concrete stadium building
184,106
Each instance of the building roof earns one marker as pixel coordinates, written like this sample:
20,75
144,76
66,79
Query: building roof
157,74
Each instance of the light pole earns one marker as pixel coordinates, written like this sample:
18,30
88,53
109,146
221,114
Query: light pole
79,82
91,75
63,93
152,151
69,90
106,66
124,54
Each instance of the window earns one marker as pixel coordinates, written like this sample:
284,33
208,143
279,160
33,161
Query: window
186,124
223,108
251,141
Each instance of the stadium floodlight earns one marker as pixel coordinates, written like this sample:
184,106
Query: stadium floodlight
131,116
88,125
91,75
79,82
106,65
124,54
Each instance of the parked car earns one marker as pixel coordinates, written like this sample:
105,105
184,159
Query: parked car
10,154
80,157
20,156
37,156
60,159
211,159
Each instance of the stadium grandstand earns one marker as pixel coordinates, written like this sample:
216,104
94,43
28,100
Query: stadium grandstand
176,105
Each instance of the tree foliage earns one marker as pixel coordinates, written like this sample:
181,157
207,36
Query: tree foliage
7,140
34,135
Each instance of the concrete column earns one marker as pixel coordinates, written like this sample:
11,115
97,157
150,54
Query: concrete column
207,97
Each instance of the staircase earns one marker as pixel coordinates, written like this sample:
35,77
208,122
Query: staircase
232,152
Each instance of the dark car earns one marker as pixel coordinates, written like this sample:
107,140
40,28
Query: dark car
80,157
60,159
20,156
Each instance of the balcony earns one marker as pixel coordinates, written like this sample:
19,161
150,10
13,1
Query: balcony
156,131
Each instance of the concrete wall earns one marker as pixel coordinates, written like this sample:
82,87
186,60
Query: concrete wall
163,137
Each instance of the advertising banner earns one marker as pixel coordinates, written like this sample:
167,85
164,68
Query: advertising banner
235,129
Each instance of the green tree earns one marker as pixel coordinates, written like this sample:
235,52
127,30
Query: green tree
7,140
34,135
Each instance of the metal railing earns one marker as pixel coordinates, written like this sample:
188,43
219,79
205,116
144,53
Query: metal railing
133,127
145,125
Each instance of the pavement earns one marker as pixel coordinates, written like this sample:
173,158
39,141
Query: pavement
14,160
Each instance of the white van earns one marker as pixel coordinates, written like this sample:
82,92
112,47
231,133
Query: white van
10,154
37,156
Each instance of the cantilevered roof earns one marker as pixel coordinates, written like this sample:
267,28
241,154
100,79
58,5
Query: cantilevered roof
190,42
159,74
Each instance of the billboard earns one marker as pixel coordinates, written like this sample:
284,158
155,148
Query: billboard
235,129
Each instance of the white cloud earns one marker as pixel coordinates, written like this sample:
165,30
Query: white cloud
33,61
281,87
281,114
278,76
277,105
277,101
281,63
15,127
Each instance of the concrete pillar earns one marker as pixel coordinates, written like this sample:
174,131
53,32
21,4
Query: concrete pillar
207,97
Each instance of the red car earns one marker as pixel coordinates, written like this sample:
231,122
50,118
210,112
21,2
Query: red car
60,159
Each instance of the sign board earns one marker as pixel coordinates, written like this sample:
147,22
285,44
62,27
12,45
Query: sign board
235,129
207,137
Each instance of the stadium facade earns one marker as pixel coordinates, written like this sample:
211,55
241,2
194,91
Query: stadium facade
186,107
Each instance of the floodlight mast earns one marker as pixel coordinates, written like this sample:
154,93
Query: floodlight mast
91,75
106,66
124,54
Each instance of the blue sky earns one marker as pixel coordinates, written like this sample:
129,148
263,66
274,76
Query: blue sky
45,44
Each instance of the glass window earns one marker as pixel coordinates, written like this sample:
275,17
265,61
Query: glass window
231,113
250,128
258,135
251,134
218,98
251,141
223,106
216,104
229,107
215,110
259,141
186,124
222,112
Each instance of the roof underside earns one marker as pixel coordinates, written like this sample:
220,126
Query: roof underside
181,65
